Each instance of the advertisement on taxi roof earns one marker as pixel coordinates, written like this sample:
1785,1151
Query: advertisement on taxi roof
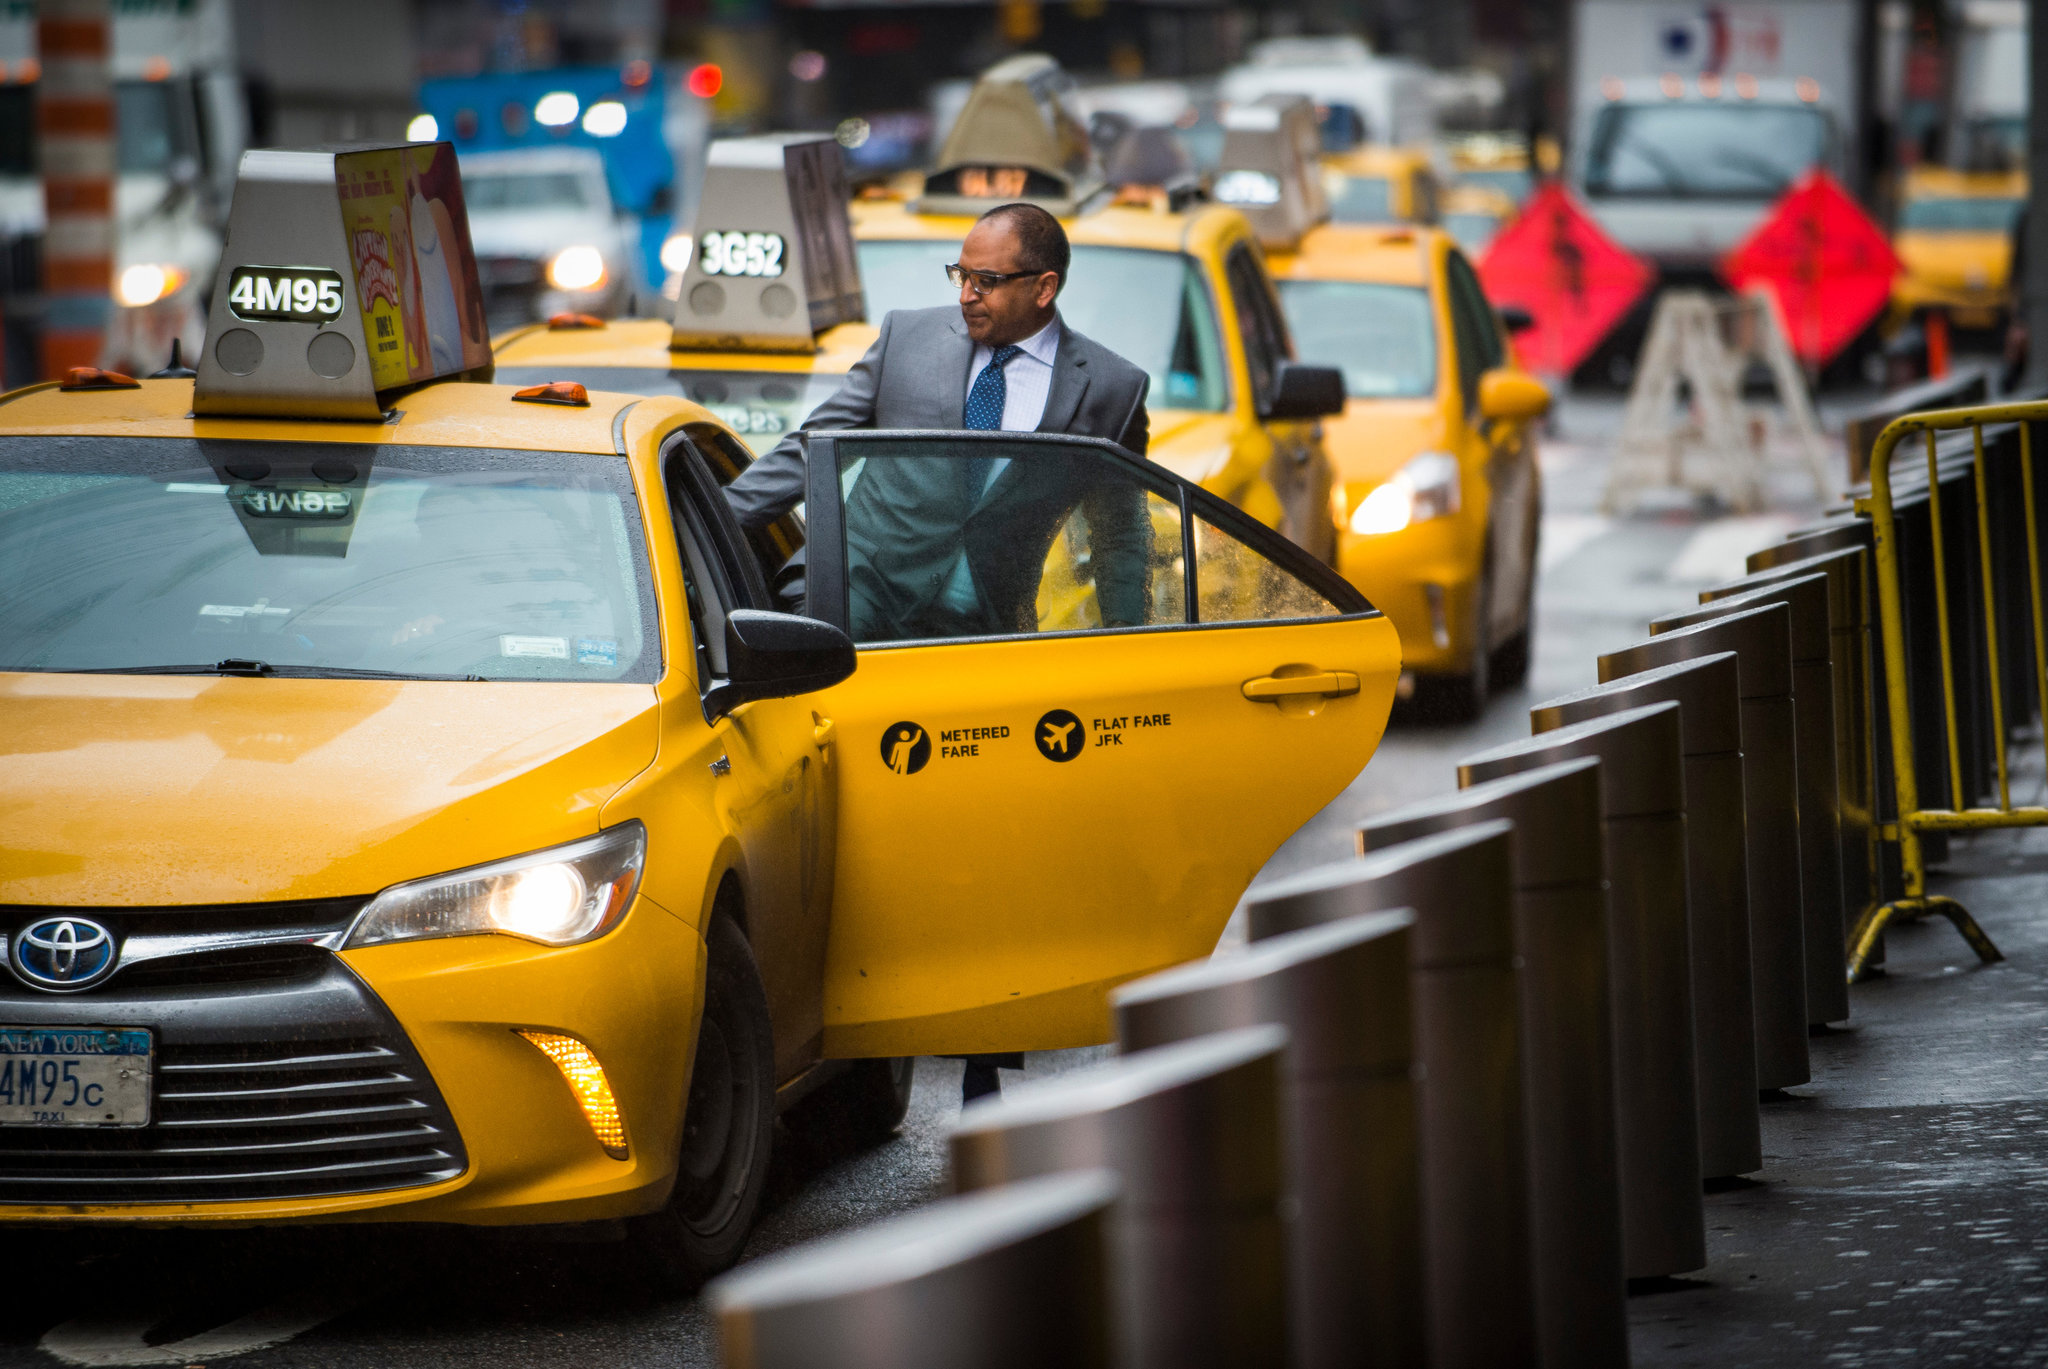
416,279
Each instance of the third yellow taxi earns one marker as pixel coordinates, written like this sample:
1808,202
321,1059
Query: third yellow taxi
1954,237
1439,497
426,804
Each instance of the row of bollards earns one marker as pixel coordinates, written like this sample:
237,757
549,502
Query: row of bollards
1459,1090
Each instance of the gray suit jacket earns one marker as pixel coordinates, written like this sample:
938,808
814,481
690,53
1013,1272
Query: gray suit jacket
915,376
909,520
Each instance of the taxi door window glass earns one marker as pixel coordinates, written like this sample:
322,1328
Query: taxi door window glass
139,554
1265,337
1383,337
948,537
1152,308
1423,189
1475,339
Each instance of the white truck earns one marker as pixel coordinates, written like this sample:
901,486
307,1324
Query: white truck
1990,87
180,126
1376,99
1688,122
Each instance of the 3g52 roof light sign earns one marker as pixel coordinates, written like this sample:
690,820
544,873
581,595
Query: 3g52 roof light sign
349,275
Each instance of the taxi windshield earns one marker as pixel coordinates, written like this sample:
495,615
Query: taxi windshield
1362,199
175,555
1148,306
1961,214
1513,182
758,405
1734,151
1382,337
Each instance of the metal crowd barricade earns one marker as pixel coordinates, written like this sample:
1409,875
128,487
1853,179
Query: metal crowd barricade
1348,1104
1013,1278
2000,583
1198,1258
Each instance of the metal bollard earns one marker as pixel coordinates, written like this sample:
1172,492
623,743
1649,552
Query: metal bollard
1761,639
1014,1278
1560,923
1348,1110
1820,827
1849,662
1717,883
1475,1169
1649,957
1197,1242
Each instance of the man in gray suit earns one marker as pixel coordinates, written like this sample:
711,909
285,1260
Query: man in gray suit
951,546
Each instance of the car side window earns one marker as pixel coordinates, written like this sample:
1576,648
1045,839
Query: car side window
1480,348
778,547
947,536
1258,315
719,572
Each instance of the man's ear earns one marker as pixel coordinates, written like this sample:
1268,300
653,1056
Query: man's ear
1048,289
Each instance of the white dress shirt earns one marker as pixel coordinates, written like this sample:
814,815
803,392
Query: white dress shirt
1027,384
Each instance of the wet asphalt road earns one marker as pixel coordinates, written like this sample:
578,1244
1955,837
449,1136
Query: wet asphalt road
1785,1286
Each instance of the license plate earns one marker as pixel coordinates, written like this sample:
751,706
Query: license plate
75,1076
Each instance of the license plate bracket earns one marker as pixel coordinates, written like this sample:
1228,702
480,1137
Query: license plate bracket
75,1076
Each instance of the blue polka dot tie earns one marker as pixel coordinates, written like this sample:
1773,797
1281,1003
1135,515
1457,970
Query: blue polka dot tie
985,403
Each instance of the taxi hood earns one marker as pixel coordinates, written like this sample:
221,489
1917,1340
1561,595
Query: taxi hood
1373,438
131,790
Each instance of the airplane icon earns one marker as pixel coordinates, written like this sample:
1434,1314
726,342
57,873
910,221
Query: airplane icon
1056,734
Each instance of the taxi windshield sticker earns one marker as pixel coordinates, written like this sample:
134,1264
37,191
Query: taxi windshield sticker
416,279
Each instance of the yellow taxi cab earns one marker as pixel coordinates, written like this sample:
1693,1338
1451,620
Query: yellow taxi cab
1375,183
1179,288
1492,161
1474,216
1439,498
1954,237
425,804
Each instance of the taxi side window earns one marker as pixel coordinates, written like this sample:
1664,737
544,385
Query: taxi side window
777,547
1258,318
719,571
1472,322
944,536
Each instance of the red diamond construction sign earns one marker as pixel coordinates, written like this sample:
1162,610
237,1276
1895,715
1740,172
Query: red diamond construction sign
1572,278
1829,265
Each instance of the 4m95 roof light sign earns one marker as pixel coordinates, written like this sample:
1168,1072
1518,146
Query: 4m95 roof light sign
349,275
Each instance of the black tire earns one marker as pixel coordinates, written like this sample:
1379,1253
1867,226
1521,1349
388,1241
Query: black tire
1511,661
857,1109
1461,698
728,1128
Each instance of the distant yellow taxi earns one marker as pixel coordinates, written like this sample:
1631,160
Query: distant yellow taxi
1474,216
440,810
1954,236
1439,499
1488,161
1374,183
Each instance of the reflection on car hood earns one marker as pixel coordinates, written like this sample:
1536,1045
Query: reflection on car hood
142,790
1192,445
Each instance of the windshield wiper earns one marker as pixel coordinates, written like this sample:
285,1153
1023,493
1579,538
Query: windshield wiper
257,669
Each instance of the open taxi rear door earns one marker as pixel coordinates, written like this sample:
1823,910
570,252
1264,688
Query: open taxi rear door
1092,700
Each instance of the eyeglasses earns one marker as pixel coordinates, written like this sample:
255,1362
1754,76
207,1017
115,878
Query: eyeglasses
984,281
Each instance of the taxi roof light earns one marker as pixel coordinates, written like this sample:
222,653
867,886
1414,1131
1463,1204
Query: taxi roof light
1017,138
566,392
569,322
347,277
773,262
1270,168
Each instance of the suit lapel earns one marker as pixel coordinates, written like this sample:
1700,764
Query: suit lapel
956,358
1069,383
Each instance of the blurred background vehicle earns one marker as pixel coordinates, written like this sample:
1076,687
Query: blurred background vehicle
1954,236
1374,184
547,238
1474,216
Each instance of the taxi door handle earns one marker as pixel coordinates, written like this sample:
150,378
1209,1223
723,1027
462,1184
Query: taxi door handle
1271,689
821,731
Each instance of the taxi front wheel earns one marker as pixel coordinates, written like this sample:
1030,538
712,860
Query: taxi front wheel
728,1127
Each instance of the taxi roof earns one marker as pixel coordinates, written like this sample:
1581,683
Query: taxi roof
644,344
1377,253
1114,225
444,414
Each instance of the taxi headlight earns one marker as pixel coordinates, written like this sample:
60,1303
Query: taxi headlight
1427,487
147,282
558,897
576,268
676,251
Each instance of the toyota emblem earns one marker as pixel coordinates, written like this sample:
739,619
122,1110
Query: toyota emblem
60,953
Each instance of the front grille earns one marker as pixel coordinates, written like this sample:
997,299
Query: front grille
198,944
240,1121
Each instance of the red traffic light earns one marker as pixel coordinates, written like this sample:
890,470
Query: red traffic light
706,80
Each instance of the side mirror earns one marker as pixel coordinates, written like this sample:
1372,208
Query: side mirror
1516,319
1304,391
776,655
1508,393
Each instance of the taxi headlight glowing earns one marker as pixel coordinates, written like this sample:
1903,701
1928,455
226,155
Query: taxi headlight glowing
676,251
576,268
146,283
560,896
1427,487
